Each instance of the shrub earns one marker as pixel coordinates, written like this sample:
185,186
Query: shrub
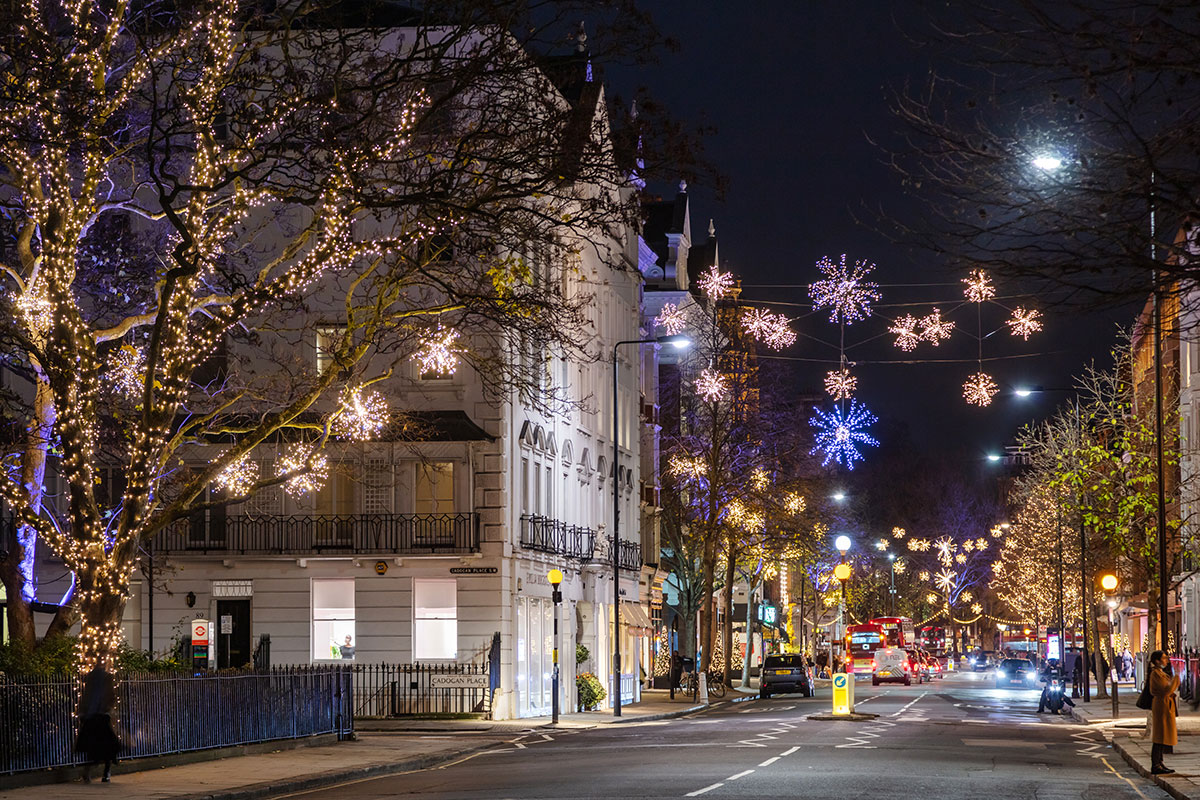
582,654
590,691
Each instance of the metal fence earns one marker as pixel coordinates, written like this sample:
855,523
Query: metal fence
164,713
400,690
377,534
575,541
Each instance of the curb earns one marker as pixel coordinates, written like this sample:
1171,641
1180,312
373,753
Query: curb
325,779
1163,781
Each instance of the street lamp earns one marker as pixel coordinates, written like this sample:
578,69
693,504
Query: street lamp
892,590
680,342
555,577
842,573
1108,582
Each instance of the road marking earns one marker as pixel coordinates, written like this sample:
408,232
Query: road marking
547,737
706,721
908,705
741,774
1122,777
699,792
769,761
789,751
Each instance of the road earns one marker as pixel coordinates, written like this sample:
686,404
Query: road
955,738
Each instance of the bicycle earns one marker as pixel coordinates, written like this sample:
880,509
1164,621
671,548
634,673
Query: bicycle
689,683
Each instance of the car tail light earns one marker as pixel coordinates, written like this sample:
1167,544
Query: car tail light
906,666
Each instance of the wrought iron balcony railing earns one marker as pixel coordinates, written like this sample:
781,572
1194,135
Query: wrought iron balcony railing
576,541
357,534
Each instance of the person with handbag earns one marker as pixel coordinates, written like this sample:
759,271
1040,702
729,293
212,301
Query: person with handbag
1158,696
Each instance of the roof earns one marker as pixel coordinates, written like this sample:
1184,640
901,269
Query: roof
439,426
661,217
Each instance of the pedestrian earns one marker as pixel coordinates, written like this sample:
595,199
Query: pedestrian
1162,711
1077,676
97,739
1126,670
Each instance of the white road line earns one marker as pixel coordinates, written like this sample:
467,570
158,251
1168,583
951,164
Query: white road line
547,737
769,761
741,774
907,705
699,792
789,751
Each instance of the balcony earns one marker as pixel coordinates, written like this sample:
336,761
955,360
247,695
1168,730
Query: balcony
549,535
359,534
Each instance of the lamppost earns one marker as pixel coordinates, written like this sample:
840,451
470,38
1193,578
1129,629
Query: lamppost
1108,583
892,589
555,577
680,342
842,573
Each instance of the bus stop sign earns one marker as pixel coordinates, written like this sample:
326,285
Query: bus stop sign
843,694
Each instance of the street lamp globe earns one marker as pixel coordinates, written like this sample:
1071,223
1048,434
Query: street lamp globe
1108,582
842,543
891,556
1047,162
842,572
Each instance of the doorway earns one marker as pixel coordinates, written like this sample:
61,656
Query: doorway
233,633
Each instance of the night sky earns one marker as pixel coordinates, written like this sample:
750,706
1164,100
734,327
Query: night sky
797,95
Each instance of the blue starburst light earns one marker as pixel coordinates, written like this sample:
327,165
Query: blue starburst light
839,433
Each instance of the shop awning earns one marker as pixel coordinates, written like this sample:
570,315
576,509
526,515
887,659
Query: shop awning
636,619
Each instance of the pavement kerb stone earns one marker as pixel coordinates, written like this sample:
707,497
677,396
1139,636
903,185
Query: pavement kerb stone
334,777
1177,787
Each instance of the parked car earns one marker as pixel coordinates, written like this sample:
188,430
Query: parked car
784,672
1016,673
933,667
891,666
916,666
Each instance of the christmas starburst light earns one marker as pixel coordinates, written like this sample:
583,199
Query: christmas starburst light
979,287
238,477
672,319
438,353
945,547
844,289
1025,322
298,458
362,416
945,579
760,478
899,533
840,383
839,434
918,545
794,503
981,544
683,466
905,329
716,284
934,329
979,389
931,598
710,385
772,330
976,607
961,558
899,565
881,544
923,575
967,597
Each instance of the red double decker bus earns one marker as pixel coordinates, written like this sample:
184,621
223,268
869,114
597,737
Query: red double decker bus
861,643
898,631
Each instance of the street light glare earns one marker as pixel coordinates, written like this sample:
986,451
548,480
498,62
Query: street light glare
842,543
993,457
839,496
680,341
1047,162
1023,392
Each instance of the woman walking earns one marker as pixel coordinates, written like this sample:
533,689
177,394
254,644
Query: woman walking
1162,711
96,739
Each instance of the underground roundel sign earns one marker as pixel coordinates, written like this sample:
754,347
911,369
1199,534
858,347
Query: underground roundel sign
199,632
839,680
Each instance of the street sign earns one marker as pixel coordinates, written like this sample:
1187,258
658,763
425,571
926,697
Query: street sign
463,681
199,631
226,624
843,694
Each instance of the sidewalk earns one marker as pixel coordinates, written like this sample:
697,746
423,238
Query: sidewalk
1184,784
1129,716
384,747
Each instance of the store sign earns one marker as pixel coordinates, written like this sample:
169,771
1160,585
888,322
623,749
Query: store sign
473,570
767,614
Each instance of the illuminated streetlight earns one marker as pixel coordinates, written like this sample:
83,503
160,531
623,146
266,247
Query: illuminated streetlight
842,543
1047,162
1108,582
993,457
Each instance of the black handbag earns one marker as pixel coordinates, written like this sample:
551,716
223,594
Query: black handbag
1145,700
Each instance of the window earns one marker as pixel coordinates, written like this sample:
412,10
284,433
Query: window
266,502
525,508
333,619
435,488
329,338
435,619
377,487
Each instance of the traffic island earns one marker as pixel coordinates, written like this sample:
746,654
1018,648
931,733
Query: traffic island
852,717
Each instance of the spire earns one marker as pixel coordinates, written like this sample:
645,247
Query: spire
712,229
683,187
581,38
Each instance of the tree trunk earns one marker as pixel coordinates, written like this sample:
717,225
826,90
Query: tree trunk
750,589
706,620
727,623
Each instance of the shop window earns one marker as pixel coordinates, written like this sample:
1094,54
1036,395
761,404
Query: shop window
333,636
435,619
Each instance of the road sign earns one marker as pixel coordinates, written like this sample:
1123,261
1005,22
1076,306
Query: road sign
843,694
463,681
200,631
226,624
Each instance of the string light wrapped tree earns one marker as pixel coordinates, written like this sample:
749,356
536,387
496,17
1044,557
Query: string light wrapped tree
181,189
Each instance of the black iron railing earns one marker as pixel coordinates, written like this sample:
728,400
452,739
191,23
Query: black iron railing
405,690
378,534
164,713
575,541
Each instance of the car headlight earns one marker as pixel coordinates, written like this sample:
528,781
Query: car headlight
1001,673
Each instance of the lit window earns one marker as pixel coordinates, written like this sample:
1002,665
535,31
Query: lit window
435,619
435,488
333,619
329,338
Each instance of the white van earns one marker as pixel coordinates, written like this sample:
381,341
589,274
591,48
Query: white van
891,666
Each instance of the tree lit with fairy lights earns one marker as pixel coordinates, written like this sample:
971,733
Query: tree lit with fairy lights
840,433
